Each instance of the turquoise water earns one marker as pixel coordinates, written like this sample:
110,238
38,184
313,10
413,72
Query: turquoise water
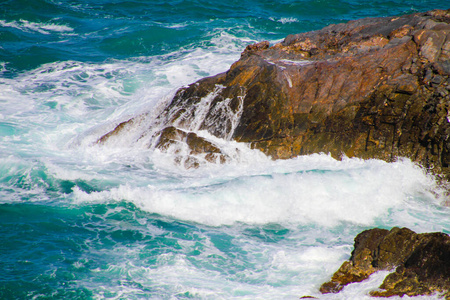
80,221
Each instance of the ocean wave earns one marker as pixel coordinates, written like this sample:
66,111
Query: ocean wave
43,28
308,190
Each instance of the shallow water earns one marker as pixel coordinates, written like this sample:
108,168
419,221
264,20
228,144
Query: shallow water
83,221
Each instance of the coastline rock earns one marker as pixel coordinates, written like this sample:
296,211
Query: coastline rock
171,136
370,88
421,263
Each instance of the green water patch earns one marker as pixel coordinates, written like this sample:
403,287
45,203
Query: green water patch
22,289
6,37
7,129
50,250
67,186
30,180
152,41
86,250
31,56
271,233
153,241
38,247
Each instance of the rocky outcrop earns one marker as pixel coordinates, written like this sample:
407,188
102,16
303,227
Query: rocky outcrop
196,146
371,88
421,263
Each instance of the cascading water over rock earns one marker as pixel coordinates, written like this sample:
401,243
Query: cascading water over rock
373,88
177,129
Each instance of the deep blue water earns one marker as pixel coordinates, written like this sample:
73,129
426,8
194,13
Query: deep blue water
79,221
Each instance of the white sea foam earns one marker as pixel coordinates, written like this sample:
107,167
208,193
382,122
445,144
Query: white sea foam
43,28
284,20
305,192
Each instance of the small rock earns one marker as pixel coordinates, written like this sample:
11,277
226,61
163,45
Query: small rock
421,262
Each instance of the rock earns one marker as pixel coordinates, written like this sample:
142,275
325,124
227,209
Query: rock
421,263
255,48
194,145
370,88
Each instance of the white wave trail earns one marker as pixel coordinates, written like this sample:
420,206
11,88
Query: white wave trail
313,189
43,28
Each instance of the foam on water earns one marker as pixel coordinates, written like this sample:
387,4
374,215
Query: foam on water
43,28
223,263
78,96
353,191
236,262
284,20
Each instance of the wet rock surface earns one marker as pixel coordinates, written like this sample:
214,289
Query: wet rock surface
370,88
421,263
194,145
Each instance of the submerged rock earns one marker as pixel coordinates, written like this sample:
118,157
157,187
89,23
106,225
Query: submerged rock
170,137
421,263
370,88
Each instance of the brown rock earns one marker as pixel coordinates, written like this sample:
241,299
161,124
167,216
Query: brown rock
255,48
361,264
370,88
173,137
117,130
421,262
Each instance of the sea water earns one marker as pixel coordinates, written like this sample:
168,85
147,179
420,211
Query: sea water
83,221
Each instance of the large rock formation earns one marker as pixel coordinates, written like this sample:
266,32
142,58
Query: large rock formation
371,88
421,263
